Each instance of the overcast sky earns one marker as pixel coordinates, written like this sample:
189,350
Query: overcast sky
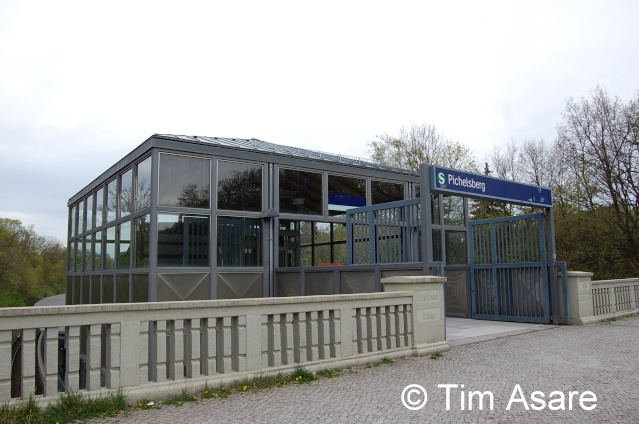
82,83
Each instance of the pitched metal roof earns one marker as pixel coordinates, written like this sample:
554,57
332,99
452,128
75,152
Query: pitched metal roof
256,145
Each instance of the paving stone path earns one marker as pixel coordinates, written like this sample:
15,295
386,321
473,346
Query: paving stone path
601,358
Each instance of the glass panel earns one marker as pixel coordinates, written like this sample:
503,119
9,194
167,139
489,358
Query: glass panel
77,290
306,256
89,213
81,224
86,254
124,246
126,193
109,254
300,192
122,289
339,253
322,254
454,210
289,244
345,193
183,240
239,242
339,232
107,288
86,290
384,192
455,247
140,292
239,186
68,295
97,251
141,229
184,181
73,219
434,208
437,245
143,184
112,200
322,232
99,208
306,232
78,255
71,256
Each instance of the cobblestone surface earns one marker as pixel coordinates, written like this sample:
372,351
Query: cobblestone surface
602,358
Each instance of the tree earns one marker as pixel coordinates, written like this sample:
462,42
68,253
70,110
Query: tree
420,144
194,197
30,265
598,139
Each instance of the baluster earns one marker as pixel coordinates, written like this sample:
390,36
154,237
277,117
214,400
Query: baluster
93,357
176,349
5,365
113,343
51,362
72,379
143,358
160,372
28,362
208,346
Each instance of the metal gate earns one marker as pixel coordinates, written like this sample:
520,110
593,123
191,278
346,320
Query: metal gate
508,269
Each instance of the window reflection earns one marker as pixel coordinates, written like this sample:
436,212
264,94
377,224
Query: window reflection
87,262
126,193
239,242
455,247
99,208
89,213
81,222
454,210
184,181
124,246
345,193
305,243
97,251
112,200
300,192
141,230
109,253
143,184
183,240
239,186
73,221
384,192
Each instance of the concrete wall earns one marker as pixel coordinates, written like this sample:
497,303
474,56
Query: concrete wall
159,349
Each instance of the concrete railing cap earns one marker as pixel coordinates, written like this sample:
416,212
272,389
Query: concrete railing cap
414,279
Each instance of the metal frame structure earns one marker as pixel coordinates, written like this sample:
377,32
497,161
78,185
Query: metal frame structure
113,252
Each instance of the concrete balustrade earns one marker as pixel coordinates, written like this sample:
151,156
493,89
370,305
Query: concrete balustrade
592,301
159,349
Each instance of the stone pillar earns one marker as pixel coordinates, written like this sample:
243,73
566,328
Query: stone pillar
580,296
429,325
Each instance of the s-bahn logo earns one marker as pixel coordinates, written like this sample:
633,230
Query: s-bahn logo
441,178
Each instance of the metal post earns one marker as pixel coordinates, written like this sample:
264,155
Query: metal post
427,229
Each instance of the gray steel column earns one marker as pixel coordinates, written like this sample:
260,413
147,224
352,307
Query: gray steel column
153,226
213,232
427,219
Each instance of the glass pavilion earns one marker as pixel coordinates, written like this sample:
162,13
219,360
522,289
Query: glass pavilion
194,218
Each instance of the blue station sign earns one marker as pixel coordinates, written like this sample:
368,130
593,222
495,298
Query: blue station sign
476,185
